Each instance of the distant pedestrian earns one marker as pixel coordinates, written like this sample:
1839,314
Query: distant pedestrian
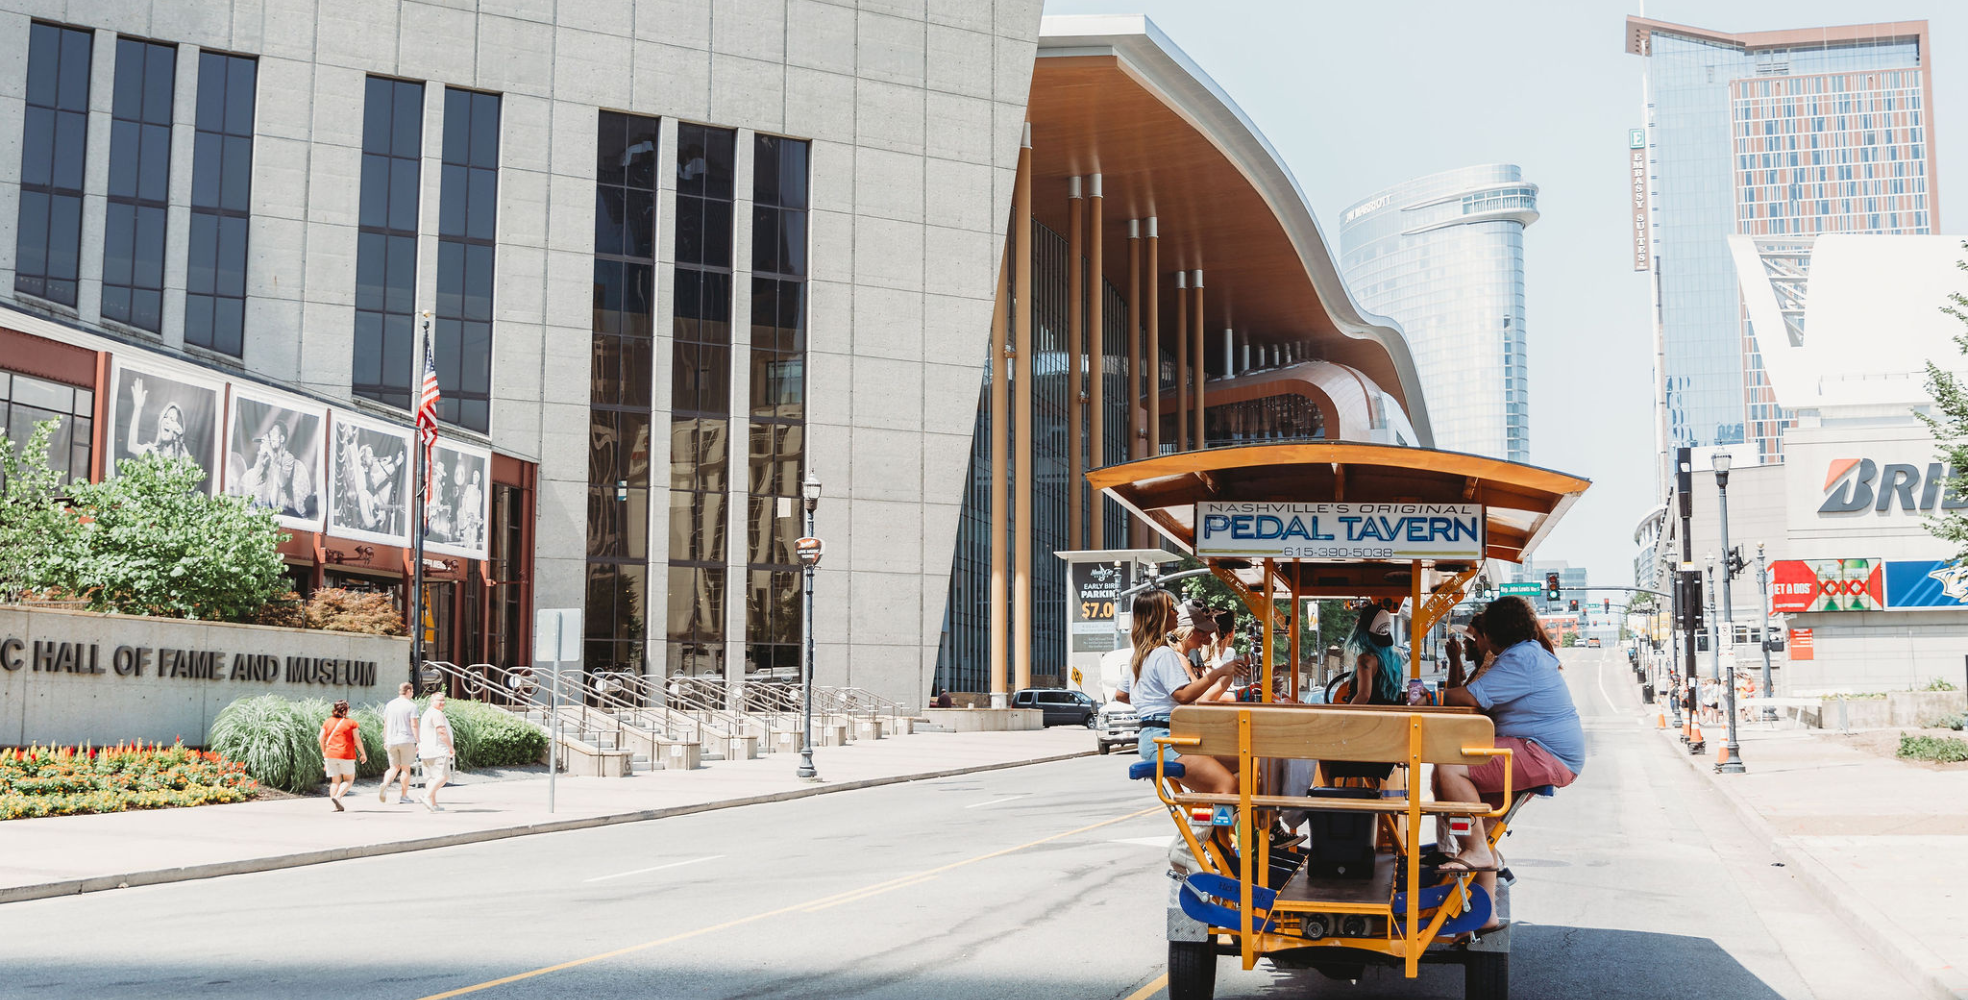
435,746
341,747
400,739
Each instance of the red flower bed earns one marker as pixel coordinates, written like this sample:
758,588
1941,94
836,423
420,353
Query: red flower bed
57,781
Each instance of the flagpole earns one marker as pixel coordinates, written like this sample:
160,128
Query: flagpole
418,509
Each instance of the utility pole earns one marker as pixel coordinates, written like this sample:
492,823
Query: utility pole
1763,590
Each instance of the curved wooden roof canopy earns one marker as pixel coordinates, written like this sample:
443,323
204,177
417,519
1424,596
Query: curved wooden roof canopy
1112,95
1522,503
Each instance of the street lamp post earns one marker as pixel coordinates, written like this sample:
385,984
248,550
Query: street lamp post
1763,592
1732,762
810,493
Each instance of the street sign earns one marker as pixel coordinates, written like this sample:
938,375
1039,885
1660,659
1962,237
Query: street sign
557,635
809,550
1521,589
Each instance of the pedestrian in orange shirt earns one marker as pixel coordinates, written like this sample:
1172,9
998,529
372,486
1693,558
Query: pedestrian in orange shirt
340,749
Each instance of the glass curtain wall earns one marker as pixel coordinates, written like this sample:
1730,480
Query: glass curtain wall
386,240
700,401
964,653
619,396
54,150
139,183
467,241
778,407
26,401
221,203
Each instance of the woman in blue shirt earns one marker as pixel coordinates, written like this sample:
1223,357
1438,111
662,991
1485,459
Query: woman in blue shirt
1523,692
1162,680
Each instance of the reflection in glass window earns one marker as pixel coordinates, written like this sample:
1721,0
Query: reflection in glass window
700,398
386,241
26,401
620,422
221,203
54,145
467,229
139,183
777,406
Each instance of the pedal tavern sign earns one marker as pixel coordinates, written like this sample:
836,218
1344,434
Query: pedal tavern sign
1392,531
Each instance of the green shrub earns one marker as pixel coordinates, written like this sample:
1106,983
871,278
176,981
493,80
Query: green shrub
279,740
1939,749
1939,684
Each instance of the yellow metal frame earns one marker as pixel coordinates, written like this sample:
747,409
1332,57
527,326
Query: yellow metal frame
1253,857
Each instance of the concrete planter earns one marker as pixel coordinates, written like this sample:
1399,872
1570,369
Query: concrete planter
982,720
74,676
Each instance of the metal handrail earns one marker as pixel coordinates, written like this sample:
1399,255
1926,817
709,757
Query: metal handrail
710,698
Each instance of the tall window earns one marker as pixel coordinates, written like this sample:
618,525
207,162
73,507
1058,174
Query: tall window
778,406
386,244
700,401
54,145
221,203
139,183
619,395
467,234
26,401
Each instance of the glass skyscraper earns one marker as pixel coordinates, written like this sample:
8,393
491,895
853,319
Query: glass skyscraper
1444,256
1778,135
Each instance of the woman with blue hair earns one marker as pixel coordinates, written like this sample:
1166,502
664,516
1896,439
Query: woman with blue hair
1379,667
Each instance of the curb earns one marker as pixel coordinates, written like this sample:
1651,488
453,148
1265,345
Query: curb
1914,960
96,883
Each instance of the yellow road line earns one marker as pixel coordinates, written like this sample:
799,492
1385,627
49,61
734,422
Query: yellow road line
894,883
857,897
1154,986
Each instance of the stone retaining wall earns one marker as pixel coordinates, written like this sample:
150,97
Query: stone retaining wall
76,676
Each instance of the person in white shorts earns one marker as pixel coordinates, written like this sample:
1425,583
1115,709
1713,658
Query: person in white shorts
400,740
435,746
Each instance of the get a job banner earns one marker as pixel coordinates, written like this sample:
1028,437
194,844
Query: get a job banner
1397,531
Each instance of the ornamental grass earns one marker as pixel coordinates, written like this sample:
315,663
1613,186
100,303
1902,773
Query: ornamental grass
279,740
59,781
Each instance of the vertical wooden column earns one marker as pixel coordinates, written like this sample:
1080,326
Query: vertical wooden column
1182,361
1202,346
1151,321
1000,464
1021,325
1097,350
1414,641
1137,435
1075,355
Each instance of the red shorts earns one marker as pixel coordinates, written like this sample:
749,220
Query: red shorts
1530,766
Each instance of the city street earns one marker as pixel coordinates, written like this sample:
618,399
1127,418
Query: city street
1044,881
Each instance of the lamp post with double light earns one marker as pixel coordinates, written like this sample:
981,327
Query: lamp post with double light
1732,762
1763,590
809,548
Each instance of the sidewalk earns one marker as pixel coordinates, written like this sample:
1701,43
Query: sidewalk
63,855
1879,840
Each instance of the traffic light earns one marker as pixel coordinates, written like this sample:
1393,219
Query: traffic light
1735,562
1689,586
1575,605
1606,605
1551,587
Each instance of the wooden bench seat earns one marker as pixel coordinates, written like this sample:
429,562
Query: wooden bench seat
1400,805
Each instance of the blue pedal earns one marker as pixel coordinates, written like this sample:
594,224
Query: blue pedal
1202,891
1433,896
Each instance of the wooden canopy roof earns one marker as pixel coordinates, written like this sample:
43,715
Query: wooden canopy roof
1521,502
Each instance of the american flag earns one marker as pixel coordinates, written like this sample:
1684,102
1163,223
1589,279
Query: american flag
427,400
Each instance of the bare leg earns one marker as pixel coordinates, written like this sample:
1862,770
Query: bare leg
1453,784
1209,775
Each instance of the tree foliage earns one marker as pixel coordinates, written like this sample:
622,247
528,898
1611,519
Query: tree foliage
147,542
1335,617
30,513
1950,427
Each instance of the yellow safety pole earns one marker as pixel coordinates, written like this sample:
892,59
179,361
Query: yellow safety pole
1297,630
1270,629
1414,618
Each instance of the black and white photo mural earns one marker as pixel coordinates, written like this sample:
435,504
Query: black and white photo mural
273,457
460,479
368,480
165,413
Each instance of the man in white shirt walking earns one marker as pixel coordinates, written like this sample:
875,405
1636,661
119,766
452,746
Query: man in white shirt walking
434,745
400,737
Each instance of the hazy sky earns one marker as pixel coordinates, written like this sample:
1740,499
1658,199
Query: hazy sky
1359,96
